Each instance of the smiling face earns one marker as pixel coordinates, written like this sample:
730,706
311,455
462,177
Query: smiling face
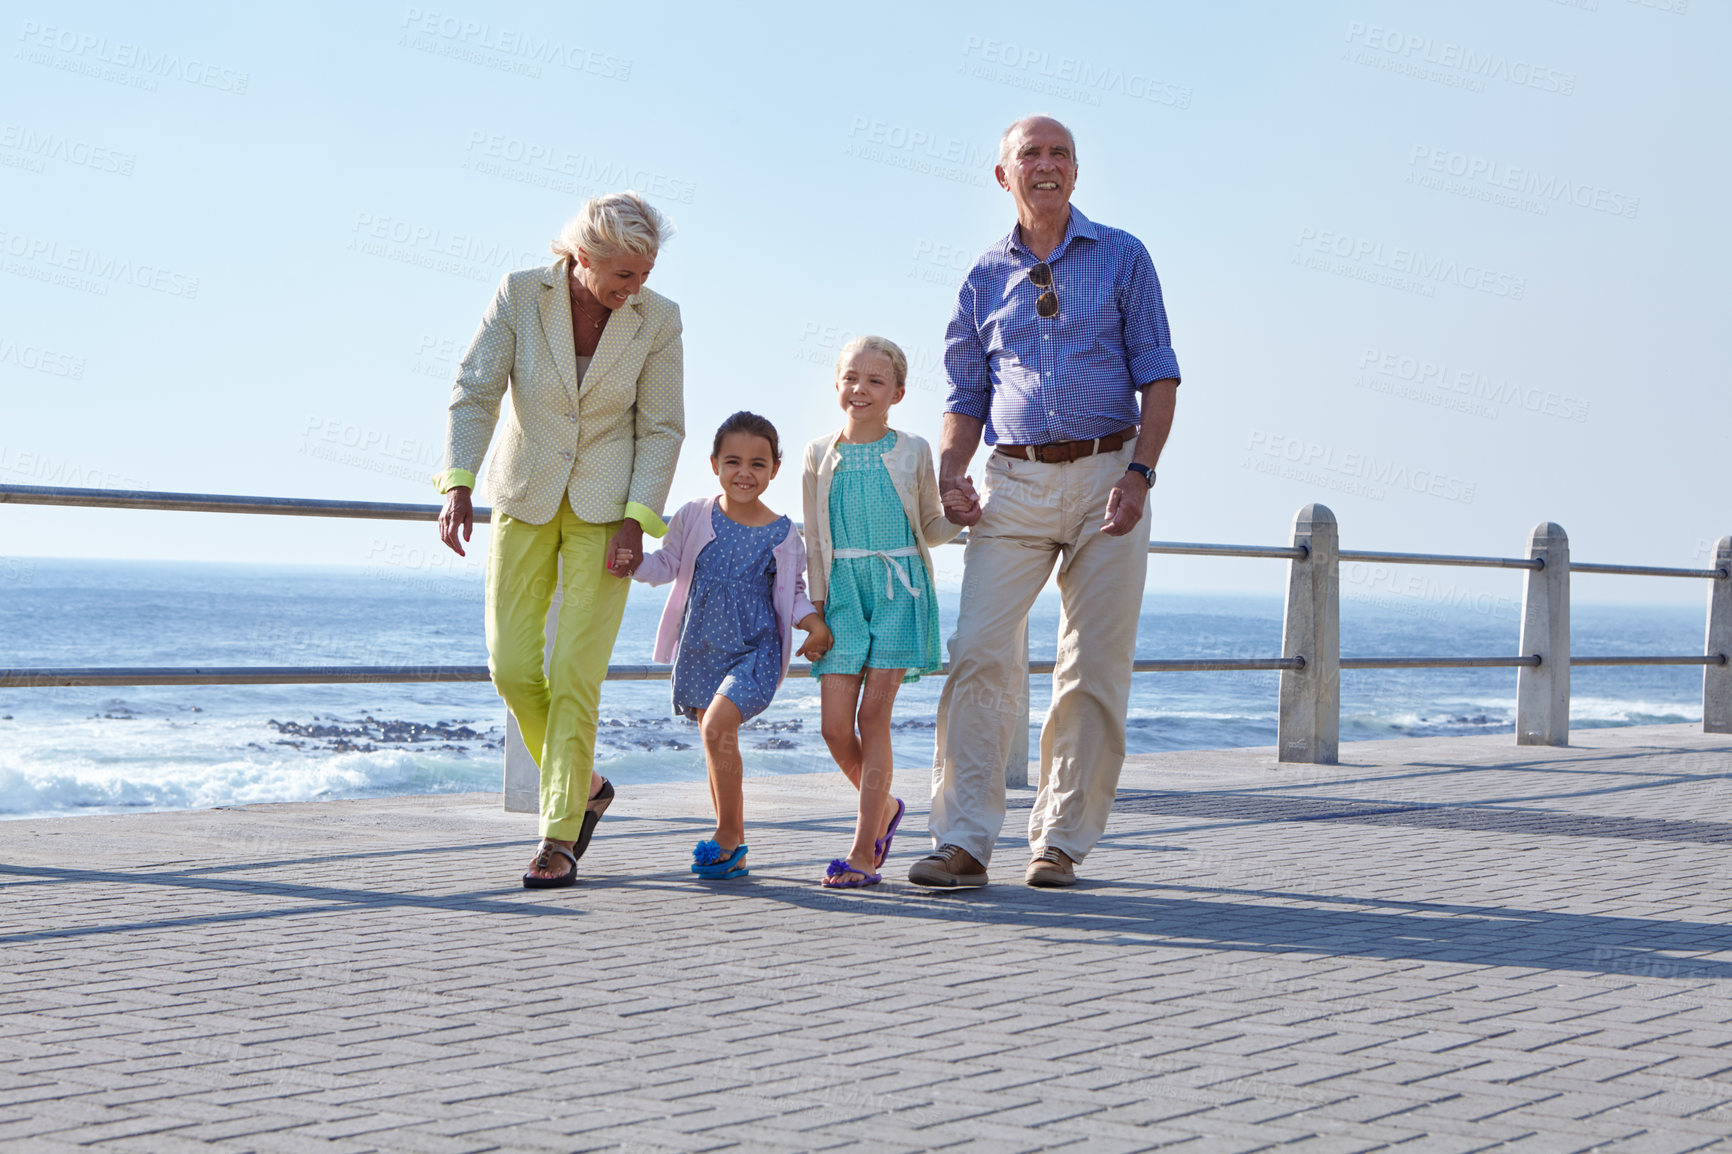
614,281
1040,171
746,463
866,387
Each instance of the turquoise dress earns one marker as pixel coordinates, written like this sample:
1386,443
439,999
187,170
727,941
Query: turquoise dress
730,641
881,607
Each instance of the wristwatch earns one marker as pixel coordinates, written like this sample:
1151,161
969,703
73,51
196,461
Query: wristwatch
1143,471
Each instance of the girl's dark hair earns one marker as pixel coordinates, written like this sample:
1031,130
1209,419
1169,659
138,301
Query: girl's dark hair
754,425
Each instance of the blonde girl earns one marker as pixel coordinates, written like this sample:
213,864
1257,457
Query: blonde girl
872,513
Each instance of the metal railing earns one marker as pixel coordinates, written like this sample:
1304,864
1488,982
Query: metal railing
1310,662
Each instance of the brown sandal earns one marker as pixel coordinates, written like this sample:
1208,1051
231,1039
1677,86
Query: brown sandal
544,861
592,815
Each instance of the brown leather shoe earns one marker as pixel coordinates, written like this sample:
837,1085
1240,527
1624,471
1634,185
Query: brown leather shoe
1051,867
951,868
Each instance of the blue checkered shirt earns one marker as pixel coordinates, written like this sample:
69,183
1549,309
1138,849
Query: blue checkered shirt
1071,377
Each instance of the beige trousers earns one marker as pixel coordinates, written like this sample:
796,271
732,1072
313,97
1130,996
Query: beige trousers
1036,514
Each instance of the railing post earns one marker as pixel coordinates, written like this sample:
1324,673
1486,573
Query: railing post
1016,757
1543,691
1309,728
1717,679
522,774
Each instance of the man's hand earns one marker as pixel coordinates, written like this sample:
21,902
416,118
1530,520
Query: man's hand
961,502
458,514
819,639
1125,505
625,551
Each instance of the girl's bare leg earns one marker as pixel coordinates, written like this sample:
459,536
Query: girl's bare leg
721,730
877,763
839,697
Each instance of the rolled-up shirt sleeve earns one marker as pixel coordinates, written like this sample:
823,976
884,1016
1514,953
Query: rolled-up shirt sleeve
1148,343
966,365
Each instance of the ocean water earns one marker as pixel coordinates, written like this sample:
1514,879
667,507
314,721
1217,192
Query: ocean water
111,749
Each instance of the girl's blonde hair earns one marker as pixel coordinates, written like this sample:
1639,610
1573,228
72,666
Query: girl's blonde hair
608,225
898,359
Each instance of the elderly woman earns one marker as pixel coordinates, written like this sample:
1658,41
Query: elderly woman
588,363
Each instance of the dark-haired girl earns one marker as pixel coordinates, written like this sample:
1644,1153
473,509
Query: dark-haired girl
738,570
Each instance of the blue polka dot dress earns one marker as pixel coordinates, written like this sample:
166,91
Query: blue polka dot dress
730,641
880,608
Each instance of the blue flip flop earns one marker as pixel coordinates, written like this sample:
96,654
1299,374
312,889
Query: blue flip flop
881,847
839,869
710,860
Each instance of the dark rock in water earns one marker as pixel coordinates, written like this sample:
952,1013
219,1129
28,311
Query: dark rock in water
369,733
760,724
775,743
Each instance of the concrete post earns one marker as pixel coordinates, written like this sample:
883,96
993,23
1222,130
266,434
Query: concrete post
1016,757
1543,692
522,774
1717,679
1309,728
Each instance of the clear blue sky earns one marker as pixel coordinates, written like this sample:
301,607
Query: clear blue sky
1452,269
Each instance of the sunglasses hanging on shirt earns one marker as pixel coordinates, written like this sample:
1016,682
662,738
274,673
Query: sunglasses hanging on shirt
1041,275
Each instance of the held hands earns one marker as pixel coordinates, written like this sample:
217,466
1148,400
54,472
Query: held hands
819,639
961,502
1125,505
457,516
625,550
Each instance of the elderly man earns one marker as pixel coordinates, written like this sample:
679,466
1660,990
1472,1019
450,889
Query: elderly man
1058,350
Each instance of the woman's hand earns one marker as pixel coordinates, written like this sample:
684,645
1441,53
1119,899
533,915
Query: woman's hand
458,514
625,550
819,639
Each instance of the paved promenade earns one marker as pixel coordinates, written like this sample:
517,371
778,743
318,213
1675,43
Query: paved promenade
1439,945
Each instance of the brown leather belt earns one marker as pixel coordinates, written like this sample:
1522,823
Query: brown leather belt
1059,452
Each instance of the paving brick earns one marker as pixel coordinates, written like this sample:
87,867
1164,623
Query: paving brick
1276,980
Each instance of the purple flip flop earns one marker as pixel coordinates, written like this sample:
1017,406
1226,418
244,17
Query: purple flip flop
839,869
881,847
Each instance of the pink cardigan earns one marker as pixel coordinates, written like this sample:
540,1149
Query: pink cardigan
689,530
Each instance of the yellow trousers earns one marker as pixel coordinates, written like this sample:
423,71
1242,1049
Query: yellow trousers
555,703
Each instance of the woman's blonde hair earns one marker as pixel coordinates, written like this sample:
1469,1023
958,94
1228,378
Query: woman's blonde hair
608,225
898,359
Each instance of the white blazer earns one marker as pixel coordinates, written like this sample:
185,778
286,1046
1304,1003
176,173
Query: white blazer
609,445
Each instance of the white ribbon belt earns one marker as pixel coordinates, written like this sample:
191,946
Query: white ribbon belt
895,570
